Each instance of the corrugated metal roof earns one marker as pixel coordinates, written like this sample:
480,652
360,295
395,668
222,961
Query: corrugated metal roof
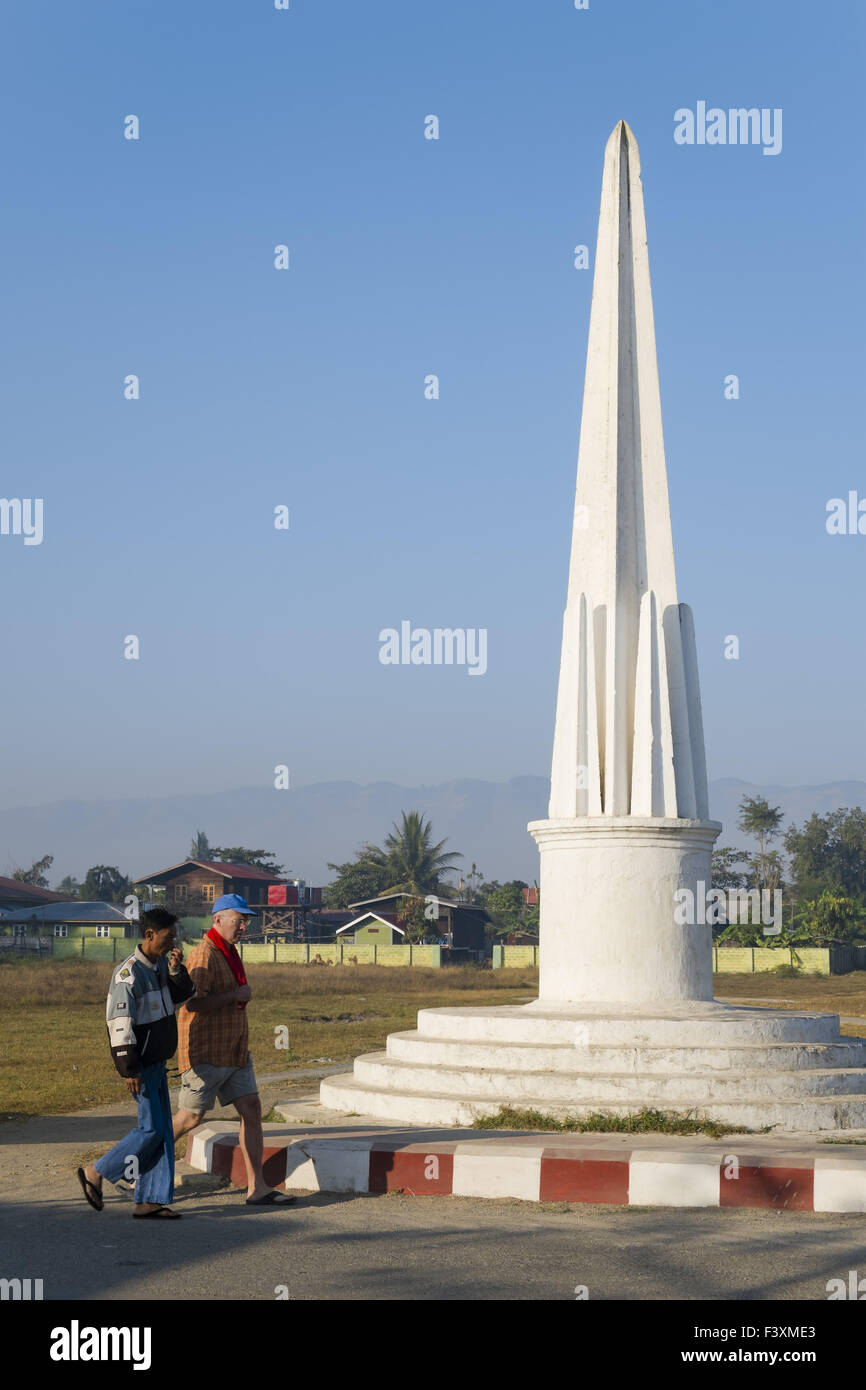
69,910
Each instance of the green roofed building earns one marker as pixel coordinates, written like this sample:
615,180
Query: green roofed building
372,930
70,927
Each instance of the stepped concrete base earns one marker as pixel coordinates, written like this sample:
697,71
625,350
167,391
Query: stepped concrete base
736,1065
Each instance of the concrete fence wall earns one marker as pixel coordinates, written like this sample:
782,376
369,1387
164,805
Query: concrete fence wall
832,960
305,953
829,960
277,953
514,957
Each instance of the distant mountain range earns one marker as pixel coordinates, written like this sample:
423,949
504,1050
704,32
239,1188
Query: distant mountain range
327,821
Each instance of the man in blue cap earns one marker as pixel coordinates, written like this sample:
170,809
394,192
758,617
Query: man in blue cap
213,1053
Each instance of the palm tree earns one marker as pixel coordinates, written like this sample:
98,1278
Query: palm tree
200,848
413,863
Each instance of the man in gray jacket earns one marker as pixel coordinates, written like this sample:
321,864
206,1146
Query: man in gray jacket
145,991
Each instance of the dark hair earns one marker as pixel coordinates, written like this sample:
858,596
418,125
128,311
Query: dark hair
157,919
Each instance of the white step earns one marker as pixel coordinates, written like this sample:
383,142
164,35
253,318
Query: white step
561,1057
430,1108
566,1088
692,1025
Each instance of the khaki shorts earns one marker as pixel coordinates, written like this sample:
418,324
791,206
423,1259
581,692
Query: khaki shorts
203,1084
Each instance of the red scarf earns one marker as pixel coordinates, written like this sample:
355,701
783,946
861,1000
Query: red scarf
232,956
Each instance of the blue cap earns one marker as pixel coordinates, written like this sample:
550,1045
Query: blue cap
233,902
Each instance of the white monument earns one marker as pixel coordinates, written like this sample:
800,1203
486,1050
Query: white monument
625,1016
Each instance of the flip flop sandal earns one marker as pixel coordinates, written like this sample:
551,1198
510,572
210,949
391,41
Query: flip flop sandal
163,1213
87,1187
271,1199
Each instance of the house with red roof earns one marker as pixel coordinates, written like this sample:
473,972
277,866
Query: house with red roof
192,887
14,894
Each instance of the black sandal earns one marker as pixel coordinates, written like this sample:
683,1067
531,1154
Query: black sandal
161,1212
96,1202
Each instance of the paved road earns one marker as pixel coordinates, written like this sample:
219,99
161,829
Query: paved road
422,1248
390,1247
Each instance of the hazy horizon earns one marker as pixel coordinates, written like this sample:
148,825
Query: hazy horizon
327,821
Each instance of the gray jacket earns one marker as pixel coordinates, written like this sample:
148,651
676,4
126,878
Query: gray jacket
140,1012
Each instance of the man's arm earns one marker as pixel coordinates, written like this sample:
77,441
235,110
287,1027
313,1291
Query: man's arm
209,1003
180,986
206,1000
119,1014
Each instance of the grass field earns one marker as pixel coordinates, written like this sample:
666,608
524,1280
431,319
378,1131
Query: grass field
54,1049
54,1053
834,994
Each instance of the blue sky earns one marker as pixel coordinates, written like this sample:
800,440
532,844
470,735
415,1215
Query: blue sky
306,387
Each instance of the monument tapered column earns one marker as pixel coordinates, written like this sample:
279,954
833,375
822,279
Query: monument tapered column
625,1017
628,808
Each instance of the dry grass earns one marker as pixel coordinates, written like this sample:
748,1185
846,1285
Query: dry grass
842,994
54,1050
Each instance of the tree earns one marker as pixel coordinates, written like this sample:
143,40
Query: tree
200,848
408,863
829,853
413,863
36,873
744,934
412,913
69,886
763,821
730,868
256,858
358,879
831,918
471,889
509,911
104,884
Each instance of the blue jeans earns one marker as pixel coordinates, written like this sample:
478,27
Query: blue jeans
151,1144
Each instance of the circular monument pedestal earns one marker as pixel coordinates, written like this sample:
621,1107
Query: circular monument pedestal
625,1019
612,889
743,1066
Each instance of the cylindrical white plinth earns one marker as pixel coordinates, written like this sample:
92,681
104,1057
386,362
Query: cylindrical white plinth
609,928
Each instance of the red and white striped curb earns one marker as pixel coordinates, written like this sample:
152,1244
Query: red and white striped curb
562,1169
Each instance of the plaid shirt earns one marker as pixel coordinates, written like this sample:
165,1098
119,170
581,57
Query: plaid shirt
219,1038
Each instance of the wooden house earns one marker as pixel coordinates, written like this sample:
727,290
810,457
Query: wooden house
191,888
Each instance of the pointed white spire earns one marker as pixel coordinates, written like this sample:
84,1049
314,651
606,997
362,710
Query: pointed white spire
629,739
